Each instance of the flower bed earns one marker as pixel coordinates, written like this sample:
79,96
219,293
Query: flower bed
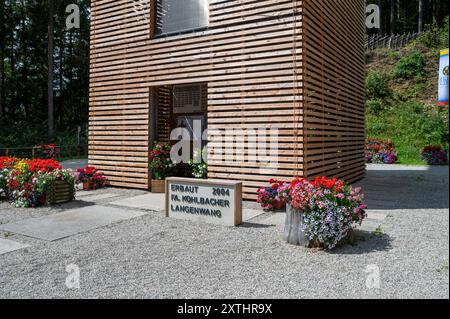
434,155
273,197
49,151
380,152
327,211
30,183
91,178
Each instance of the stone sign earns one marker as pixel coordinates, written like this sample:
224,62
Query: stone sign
209,201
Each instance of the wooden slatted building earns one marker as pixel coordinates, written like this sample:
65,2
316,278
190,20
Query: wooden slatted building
290,65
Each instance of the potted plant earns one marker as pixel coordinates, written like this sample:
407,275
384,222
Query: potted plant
273,197
58,186
160,165
91,178
322,213
199,170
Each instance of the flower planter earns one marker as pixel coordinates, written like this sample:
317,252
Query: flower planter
293,233
158,186
60,192
87,186
279,205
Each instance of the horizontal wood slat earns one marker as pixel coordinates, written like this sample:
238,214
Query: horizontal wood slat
291,65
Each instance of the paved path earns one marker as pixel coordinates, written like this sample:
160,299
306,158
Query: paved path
150,256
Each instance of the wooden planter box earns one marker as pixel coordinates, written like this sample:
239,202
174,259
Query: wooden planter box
158,186
60,192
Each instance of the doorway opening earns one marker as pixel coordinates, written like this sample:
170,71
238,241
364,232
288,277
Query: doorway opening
178,106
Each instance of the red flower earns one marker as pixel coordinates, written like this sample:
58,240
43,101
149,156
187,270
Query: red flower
40,165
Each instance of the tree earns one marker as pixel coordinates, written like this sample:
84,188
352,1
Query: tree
2,58
392,20
50,110
421,15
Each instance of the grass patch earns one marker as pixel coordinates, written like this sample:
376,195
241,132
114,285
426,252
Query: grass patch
411,126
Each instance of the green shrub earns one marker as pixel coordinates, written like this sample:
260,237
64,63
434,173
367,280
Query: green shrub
28,134
377,86
416,90
410,67
435,37
375,106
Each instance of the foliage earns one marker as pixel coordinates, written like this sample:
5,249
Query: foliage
272,197
410,125
377,86
23,133
375,106
380,152
434,155
23,51
48,151
4,172
435,36
331,208
199,170
411,66
160,161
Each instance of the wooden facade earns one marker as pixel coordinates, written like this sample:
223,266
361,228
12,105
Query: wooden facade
295,66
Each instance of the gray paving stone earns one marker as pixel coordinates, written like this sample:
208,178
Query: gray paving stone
7,246
154,202
95,197
248,214
277,219
59,226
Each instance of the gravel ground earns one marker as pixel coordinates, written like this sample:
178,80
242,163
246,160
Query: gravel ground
154,257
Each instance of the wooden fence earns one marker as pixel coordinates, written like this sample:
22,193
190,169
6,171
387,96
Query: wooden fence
392,41
64,151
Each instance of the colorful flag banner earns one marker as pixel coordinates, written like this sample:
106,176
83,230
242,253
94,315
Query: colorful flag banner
443,79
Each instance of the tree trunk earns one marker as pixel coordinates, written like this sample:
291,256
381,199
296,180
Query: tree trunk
61,81
50,106
421,14
2,62
380,31
12,106
437,14
392,16
2,82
